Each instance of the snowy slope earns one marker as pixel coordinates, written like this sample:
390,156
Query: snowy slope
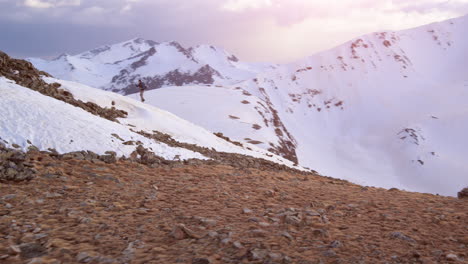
228,108
118,67
386,109
367,92
148,118
49,123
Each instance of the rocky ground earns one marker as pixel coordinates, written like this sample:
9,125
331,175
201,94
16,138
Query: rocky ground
89,211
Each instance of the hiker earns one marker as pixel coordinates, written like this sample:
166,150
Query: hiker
142,87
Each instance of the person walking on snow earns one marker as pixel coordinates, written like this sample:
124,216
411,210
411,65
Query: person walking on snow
142,87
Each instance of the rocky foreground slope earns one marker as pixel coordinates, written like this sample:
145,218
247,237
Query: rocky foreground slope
82,211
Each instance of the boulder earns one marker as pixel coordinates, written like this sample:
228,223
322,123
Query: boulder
463,194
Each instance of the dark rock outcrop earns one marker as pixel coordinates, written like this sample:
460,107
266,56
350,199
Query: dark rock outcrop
463,194
108,157
204,75
186,52
221,135
233,58
286,143
145,156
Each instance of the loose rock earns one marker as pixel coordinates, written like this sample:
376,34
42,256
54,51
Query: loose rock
201,261
32,250
180,232
399,235
246,211
83,257
451,257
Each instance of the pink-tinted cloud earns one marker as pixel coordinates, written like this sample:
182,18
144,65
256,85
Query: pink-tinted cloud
267,30
290,12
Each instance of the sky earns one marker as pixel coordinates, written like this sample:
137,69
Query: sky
277,31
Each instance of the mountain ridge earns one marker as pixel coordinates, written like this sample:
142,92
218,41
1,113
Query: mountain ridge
117,67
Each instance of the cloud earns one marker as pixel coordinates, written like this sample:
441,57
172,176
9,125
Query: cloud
266,30
291,12
241,5
37,4
434,5
93,10
41,4
128,6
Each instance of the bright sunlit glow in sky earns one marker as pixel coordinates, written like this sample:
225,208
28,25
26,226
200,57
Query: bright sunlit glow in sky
254,30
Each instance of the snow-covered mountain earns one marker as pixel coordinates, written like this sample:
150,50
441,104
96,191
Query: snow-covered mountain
118,67
386,109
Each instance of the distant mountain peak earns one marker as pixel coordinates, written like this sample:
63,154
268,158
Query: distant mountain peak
62,56
138,40
143,41
115,67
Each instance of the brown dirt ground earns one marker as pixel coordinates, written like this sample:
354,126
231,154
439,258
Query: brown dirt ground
78,211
